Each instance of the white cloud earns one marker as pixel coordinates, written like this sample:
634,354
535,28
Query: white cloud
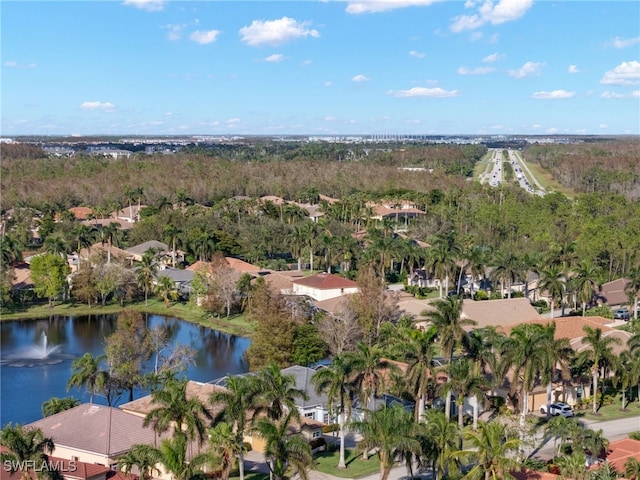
603,125
275,58
553,95
573,69
329,118
494,57
475,71
328,84
490,12
275,32
627,73
607,94
416,54
204,37
374,6
360,78
175,31
529,68
232,122
106,106
12,64
624,43
148,5
423,92
306,63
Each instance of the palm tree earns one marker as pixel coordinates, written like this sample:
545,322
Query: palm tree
27,448
238,399
367,365
507,270
110,234
585,282
444,435
56,245
441,260
186,415
84,236
601,351
633,288
491,451
572,467
418,349
446,318
626,374
10,249
56,405
391,432
523,352
172,235
144,458
632,469
225,446
86,373
556,352
553,280
563,428
146,272
283,450
173,455
334,380
278,393
166,289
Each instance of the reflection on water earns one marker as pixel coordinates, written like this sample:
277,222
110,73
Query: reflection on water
27,383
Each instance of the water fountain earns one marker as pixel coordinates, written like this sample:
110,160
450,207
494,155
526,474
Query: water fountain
36,355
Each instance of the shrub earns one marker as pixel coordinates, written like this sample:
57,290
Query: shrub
481,295
332,427
317,443
635,435
599,311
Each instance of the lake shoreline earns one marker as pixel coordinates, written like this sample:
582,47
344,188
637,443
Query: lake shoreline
236,325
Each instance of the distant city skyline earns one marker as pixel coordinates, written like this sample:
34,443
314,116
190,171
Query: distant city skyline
392,67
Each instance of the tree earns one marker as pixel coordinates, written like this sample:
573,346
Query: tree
237,400
446,319
600,352
632,469
283,450
523,353
585,282
144,457
56,405
278,393
55,244
28,449
507,270
172,234
165,288
572,467
146,272
173,455
187,416
367,365
225,446
441,257
553,280
49,275
444,434
110,234
84,236
127,349
555,352
633,288
462,379
86,373
391,432
223,282
84,287
491,451
334,380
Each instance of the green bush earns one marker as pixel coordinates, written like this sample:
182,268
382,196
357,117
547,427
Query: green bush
317,443
635,435
481,295
332,427
599,311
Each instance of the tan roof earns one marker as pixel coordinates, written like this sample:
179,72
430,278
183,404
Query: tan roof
202,391
101,222
22,275
274,199
333,305
242,266
328,199
612,293
95,428
326,281
281,281
499,313
414,307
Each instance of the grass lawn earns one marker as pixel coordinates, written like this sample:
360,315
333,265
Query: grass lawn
236,325
326,462
611,412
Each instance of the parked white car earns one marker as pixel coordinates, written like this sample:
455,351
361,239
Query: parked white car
556,409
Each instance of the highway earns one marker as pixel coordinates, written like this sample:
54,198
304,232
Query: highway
523,176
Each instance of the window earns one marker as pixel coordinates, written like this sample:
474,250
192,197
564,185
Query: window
317,434
309,415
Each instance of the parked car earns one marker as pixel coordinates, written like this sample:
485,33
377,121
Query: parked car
621,314
557,409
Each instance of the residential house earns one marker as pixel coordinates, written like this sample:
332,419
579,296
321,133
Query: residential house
95,434
613,293
161,250
619,452
323,286
498,313
130,214
395,210
181,278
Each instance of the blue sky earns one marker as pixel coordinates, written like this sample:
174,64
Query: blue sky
154,67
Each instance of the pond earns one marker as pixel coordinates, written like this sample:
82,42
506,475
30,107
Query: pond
36,357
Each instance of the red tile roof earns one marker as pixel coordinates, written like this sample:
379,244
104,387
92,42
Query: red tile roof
326,281
620,451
